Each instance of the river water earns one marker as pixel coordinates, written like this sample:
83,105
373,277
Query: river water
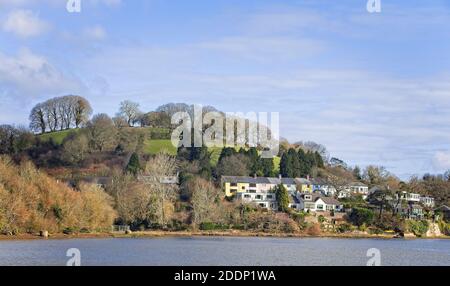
225,251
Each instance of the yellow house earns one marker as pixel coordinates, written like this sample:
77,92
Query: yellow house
304,185
234,185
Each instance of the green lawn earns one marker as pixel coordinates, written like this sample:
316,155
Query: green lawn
155,146
58,136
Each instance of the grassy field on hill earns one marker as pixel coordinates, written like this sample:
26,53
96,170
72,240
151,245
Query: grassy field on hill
151,146
58,136
155,146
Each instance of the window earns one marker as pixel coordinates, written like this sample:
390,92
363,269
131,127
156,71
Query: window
243,187
320,207
308,198
252,185
262,205
258,197
252,191
269,197
247,196
233,184
309,205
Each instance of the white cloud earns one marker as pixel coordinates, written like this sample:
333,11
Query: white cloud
95,33
441,161
265,48
24,23
28,75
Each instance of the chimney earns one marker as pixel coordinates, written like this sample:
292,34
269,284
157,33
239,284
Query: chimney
254,176
280,177
307,177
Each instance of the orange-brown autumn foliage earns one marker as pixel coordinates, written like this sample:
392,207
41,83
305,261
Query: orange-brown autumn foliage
31,201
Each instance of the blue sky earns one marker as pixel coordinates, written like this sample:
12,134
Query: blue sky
373,88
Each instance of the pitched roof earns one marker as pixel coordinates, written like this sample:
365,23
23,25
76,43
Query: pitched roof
443,208
250,180
314,196
330,201
357,184
293,199
288,181
258,180
319,181
302,181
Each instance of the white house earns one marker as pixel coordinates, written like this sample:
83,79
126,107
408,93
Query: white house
410,197
427,202
317,203
411,211
320,185
290,184
265,200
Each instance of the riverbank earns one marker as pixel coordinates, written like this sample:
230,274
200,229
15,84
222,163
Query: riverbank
159,234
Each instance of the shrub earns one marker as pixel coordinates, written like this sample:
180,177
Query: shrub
363,227
213,226
314,229
345,227
419,228
444,227
388,222
31,201
69,231
298,217
282,198
360,216
375,230
321,219
270,222
133,166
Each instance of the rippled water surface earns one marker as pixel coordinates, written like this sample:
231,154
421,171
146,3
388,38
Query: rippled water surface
226,251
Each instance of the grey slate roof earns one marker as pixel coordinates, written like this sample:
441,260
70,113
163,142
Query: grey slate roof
249,180
443,208
258,180
330,201
303,181
315,196
288,181
319,181
357,184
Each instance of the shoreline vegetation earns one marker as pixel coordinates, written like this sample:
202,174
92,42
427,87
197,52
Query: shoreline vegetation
232,233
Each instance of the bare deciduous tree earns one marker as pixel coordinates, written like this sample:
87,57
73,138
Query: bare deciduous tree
37,118
162,194
129,110
81,111
204,200
75,149
101,132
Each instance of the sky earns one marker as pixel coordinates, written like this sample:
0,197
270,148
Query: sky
374,88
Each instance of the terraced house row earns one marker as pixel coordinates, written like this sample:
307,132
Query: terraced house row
305,193
316,194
